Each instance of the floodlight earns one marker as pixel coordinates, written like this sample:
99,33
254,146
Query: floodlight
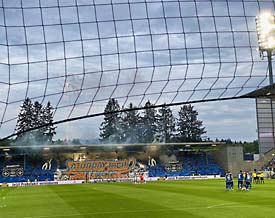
265,25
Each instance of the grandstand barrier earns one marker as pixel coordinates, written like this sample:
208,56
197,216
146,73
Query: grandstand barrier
24,184
171,178
70,182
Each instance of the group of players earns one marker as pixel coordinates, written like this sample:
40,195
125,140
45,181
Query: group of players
244,181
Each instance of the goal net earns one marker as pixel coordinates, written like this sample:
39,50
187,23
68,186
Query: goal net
78,54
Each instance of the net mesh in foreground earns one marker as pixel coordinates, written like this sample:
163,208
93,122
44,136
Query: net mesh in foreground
77,54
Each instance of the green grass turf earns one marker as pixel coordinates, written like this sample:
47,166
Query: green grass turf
196,199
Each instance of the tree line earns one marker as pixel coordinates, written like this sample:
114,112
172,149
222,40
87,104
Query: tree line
150,125
131,126
33,115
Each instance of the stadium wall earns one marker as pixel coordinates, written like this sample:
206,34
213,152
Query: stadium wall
231,159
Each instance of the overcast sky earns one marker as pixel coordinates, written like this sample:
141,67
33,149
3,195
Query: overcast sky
234,119
77,54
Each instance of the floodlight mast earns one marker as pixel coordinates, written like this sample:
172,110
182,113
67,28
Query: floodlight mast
269,60
265,25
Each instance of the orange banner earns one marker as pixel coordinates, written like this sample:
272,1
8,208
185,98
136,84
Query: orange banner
99,169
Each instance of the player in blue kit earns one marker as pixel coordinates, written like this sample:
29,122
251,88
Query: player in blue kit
248,181
240,180
229,185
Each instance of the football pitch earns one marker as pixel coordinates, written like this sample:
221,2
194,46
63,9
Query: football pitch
197,198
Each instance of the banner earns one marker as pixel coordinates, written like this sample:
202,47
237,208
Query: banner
99,169
12,171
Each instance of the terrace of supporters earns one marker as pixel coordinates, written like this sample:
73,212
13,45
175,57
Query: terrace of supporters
44,163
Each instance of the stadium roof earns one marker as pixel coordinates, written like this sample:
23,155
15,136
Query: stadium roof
138,147
265,92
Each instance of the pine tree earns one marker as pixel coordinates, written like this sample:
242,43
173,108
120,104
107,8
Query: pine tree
123,126
38,120
166,123
188,126
131,127
25,121
49,130
34,115
110,127
149,123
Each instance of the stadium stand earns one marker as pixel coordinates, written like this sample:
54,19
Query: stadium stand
192,164
31,171
24,168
